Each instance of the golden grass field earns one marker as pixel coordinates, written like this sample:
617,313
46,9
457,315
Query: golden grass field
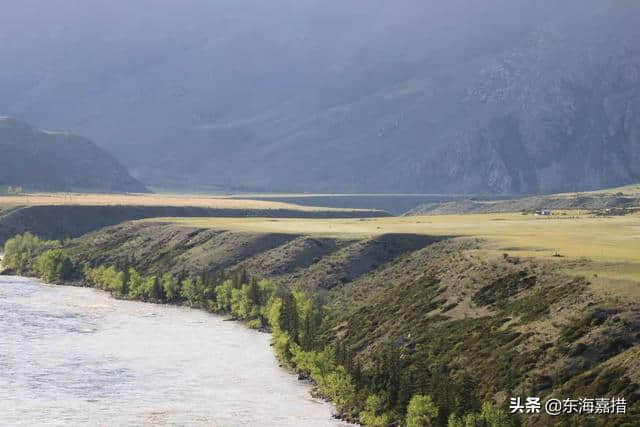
610,238
607,246
610,244
219,202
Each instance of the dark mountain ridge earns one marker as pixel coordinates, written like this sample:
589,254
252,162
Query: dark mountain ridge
55,161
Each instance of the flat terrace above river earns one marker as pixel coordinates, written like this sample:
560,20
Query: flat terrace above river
610,246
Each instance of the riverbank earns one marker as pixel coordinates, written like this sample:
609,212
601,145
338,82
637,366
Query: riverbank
399,315
73,356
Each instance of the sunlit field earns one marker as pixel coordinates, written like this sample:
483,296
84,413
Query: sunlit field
148,200
609,241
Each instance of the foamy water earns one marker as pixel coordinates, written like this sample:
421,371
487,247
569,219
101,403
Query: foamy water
75,356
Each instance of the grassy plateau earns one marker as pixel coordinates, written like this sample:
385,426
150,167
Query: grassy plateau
605,239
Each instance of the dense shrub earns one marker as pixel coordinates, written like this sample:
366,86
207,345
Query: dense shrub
373,414
21,250
194,292
171,288
54,266
421,412
108,279
224,294
490,416
135,285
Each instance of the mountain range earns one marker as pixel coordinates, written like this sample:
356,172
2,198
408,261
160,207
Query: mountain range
417,96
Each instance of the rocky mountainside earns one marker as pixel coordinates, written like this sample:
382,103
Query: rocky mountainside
499,96
53,161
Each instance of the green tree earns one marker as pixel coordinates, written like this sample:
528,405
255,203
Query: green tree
170,287
21,250
151,289
194,290
267,299
253,293
373,414
493,416
324,363
455,421
489,416
53,266
421,412
188,291
288,320
340,389
224,295
116,282
466,396
136,285
282,344
240,306
267,290
240,278
273,314
309,315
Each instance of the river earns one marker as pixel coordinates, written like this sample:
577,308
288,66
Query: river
75,356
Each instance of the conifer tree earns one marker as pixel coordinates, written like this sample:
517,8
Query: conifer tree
289,316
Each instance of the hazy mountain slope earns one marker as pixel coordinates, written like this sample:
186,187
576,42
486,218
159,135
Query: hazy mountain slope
508,96
47,161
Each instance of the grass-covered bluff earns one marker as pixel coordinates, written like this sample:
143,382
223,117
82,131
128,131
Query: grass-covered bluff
397,343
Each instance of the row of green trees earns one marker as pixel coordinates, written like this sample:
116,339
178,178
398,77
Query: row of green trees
127,284
249,302
21,253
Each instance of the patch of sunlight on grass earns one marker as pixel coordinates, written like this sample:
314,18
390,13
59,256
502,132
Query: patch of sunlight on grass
606,239
181,200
